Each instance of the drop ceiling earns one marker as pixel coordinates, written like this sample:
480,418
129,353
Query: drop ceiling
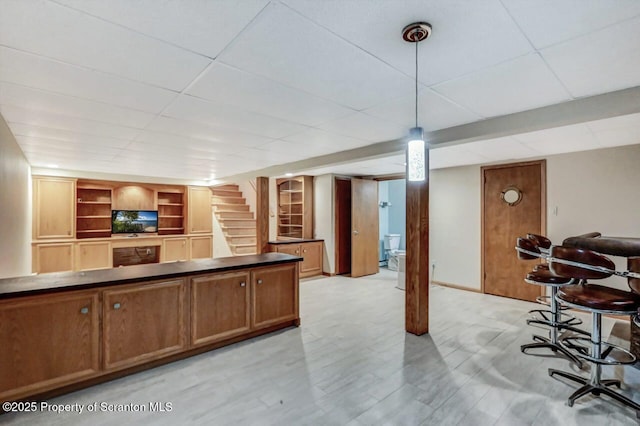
205,90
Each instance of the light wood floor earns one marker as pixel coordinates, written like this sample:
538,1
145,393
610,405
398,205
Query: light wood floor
351,363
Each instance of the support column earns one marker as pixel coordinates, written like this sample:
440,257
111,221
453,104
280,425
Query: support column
262,215
417,267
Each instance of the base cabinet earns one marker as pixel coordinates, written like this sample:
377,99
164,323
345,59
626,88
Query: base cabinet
143,322
174,249
47,341
201,247
55,257
310,251
275,295
220,307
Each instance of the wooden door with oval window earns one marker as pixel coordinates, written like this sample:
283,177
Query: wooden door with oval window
513,204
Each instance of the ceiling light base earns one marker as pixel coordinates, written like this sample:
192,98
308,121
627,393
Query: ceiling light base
416,32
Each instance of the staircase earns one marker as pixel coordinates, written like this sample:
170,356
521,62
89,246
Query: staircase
235,218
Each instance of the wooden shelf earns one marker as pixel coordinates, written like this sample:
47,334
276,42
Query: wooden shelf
90,231
166,216
170,204
95,202
93,217
295,207
170,229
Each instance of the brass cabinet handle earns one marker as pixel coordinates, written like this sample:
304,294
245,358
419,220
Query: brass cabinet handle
297,252
304,251
116,306
84,311
259,281
242,284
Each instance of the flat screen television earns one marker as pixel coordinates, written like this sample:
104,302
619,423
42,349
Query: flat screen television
134,221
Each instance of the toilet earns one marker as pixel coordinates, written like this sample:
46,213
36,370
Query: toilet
391,244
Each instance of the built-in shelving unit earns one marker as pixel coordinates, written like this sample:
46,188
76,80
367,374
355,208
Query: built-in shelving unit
93,211
170,213
295,207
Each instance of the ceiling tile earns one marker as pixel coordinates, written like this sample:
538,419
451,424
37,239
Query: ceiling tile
547,22
282,45
258,94
599,62
58,32
506,148
30,131
180,141
623,121
320,141
517,85
13,114
73,149
559,140
202,131
467,35
618,137
435,111
456,155
38,100
38,72
363,126
231,117
201,26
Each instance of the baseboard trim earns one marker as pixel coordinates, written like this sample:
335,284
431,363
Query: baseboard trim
457,287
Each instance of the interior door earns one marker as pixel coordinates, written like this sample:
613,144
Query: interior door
504,222
364,227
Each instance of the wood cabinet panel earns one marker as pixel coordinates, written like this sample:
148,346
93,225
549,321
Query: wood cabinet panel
201,247
219,306
54,208
293,249
274,295
295,207
174,249
94,255
200,214
47,341
312,255
57,257
143,322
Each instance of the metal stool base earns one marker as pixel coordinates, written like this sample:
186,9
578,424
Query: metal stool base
603,387
543,342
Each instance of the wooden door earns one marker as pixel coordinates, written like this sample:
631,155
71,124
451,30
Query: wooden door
47,341
174,249
94,255
502,223
274,295
201,247
220,307
200,216
54,202
143,322
53,258
364,227
343,225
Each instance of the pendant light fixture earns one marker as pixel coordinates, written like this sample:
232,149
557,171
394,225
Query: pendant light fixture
416,158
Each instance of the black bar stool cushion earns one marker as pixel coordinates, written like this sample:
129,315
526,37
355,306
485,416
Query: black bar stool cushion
600,298
543,276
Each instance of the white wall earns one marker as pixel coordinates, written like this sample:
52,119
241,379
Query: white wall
454,226
15,202
592,190
324,218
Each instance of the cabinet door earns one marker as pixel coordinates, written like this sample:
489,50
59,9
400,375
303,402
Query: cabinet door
200,215
312,255
96,255
47,341
202,247
219,307
53,258
143,322
174,249
54,208
275,295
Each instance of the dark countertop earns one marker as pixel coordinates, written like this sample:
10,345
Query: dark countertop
296,241
67,281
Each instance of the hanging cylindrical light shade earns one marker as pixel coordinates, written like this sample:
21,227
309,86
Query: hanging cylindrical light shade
416,146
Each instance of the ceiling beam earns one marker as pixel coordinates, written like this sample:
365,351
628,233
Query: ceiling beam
598,107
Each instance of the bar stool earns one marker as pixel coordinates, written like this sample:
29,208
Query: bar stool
585,264
533,247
